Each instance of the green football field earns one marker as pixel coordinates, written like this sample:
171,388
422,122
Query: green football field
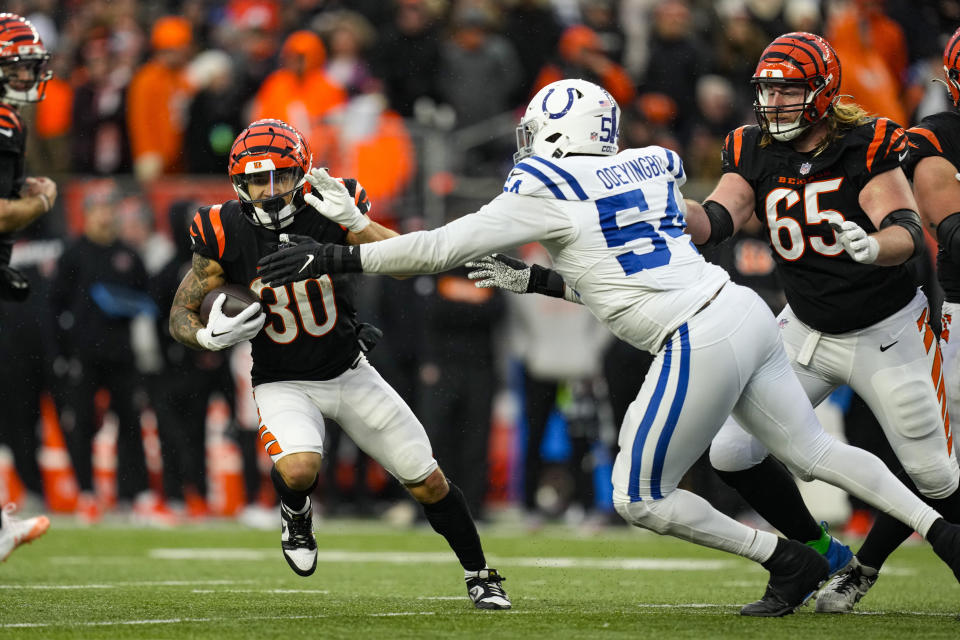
223,581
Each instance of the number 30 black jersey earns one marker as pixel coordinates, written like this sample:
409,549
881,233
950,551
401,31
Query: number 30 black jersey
310,333
797,194
939,135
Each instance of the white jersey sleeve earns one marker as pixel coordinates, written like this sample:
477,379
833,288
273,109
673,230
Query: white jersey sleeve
508,221
613,225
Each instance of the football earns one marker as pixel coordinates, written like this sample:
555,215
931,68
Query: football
239,298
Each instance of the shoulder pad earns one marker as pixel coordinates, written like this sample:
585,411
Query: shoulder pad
213,228
738,148
11,129
542,178
881,145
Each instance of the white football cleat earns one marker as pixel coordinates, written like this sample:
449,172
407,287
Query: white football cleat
16,532
297,541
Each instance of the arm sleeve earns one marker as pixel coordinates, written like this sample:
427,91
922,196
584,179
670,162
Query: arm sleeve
509,221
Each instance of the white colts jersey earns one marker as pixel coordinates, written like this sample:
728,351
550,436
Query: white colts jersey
612,224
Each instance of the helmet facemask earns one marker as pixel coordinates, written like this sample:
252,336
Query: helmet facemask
271,209
768,116
18,90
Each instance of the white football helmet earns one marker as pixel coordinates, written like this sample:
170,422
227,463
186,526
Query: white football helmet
569,116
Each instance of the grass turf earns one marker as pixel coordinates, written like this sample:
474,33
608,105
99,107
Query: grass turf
222,581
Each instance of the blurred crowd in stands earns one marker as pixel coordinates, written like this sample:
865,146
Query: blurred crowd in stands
418,100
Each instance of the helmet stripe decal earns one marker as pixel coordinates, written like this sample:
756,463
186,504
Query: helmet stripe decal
815,53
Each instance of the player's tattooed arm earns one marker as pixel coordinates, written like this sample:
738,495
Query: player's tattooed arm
204,276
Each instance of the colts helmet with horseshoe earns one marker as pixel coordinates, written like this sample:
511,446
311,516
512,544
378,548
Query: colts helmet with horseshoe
566,117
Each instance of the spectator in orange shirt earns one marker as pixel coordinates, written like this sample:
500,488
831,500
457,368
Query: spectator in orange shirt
300,92
367,138
581,56
874,52
157,101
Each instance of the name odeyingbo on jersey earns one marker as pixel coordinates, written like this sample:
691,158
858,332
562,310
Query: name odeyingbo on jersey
634,171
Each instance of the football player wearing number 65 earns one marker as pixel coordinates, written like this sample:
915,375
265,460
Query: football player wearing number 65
308,348
827,184
613,222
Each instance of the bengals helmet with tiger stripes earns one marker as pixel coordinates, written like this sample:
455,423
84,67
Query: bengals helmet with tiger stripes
270,160
23,61
800,59
951,67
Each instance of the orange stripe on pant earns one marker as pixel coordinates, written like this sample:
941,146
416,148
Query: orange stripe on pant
269,442
936,374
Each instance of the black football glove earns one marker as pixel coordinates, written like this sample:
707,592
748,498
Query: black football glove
302,257
14,286
368,336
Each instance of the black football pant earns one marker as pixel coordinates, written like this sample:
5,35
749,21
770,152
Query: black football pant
22,381
80,423
456,412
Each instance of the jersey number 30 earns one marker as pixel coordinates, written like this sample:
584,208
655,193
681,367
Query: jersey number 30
632,204
291,313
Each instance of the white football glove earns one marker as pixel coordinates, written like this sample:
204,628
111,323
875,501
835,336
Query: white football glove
337,205
861,246
501,272
222,331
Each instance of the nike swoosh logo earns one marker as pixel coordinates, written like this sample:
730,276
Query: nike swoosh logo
884,348
902,156
7,132
223,333
307,263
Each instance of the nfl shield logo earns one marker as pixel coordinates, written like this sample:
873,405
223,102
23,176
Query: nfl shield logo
805,168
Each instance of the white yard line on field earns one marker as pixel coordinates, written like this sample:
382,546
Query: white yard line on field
333,555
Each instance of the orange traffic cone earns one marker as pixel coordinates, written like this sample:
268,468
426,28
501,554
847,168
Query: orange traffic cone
11,487
59,483
224,464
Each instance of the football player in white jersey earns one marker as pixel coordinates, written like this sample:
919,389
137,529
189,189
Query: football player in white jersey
614,226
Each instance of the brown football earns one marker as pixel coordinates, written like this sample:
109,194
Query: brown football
239,298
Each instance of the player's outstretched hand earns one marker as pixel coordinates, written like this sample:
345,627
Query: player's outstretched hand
303,258
861,246
501,272
222,331
334,201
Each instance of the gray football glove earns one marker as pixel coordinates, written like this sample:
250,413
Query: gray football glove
510,274
500,272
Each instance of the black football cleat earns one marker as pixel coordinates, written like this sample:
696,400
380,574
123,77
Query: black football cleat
947,547
486,590
796,572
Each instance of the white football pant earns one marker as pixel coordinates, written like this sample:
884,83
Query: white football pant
895,366
367,408
728,358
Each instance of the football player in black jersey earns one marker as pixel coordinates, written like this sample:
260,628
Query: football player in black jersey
307,359
23,79
826,181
